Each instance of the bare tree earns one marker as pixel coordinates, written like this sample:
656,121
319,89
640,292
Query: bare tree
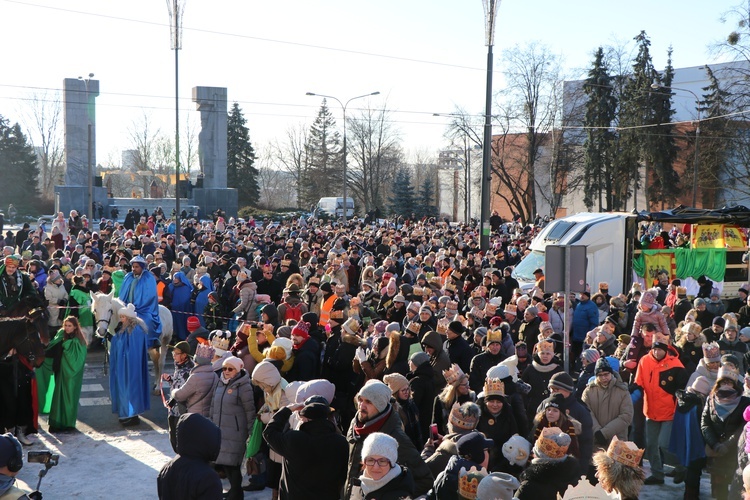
189,147
43,120
292,157
143,140
374,156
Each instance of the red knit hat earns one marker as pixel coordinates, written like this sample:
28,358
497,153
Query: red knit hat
193,323
301,329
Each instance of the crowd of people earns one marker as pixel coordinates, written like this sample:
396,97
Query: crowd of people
390,359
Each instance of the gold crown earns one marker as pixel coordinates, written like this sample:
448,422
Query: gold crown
494,336
660,338
453,374
338,314
494,387
413,327
545,346
450,286
442,325
459,421
625,452
220,342
468,482
456,275
351,326
452,305
547,446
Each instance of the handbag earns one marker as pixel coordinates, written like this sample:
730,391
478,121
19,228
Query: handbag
256,438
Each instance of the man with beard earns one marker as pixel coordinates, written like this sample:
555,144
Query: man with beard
375,414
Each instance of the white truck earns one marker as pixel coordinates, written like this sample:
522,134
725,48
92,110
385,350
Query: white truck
610,240
334,207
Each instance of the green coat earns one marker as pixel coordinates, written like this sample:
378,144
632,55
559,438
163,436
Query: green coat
59,393
83,300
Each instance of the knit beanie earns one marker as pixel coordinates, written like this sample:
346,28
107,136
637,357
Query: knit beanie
377,393
380,326
234,362
472,446
301,329
552,445
378,444
699,302
497,486
392,327
419,357
718,320
647,298
193,323
602,365
711,352
396,382
456,327
563,381
590,355
204,354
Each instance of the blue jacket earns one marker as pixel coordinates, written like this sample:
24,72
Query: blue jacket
585,319
145,300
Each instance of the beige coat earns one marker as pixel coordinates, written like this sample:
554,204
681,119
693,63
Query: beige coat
611,408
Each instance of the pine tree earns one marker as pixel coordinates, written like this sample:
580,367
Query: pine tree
324,176
18,167
601,108
661,149
716,137
241,172
426,207
402,194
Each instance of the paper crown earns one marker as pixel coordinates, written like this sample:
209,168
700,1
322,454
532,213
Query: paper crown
220,340
661,338
494,336
204,351
692,328
726,371
450,286
413,327
458,421
477,292
436,281
603,285
337,314
442,325
681,290
286,262
510,308
625,452
548,446
545,346
453,374
711,352
452,305
494,387
584,490
456,275
490,309
468,482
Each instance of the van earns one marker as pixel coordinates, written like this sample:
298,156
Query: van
610,240
334,207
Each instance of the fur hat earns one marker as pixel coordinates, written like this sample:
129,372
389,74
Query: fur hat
377,393
711,352
395,382
497,486
378,444
128,311
692,328
563,381
552,445
204,354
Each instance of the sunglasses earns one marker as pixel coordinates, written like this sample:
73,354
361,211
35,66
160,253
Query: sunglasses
227,369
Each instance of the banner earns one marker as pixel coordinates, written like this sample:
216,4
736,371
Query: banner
734,237
657,263
718,236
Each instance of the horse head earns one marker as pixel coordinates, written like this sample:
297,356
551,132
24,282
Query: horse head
101,306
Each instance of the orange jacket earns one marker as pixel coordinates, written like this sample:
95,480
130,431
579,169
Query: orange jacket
325,310
659,380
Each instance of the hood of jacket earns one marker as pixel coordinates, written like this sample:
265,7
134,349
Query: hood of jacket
434,340
198,437
266,372
272,313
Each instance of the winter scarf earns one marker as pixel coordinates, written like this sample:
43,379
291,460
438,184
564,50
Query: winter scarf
362,430
369,485
724,404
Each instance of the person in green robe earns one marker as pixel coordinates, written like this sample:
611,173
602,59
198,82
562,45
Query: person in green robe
60,377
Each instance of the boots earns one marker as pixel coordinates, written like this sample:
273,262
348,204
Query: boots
21,435
691,493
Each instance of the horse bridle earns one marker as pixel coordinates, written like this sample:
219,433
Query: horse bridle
105,321
26,339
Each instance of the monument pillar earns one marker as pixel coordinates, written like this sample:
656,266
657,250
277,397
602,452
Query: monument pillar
212,152
79,112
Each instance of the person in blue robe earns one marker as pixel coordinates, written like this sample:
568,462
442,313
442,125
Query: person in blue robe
128,378
181,306
139,288
201,300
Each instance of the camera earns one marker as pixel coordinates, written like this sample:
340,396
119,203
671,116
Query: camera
43,457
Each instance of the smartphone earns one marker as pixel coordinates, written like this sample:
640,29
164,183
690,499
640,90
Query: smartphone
434,432
42,457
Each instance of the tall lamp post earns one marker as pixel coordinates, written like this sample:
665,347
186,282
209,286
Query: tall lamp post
90,209
343,107
490,10
176,10
696,159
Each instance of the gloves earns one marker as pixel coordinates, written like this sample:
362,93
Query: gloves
361,355
599,439
636,395
721,448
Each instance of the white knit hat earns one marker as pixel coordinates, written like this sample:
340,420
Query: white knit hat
378,444
498,485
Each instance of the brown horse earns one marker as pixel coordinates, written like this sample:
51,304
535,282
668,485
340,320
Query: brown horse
24,328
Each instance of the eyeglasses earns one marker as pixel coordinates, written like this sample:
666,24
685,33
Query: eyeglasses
227,369
382,462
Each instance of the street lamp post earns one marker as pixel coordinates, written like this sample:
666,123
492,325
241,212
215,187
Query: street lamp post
696,159
490,10
176,10
343,107
90,209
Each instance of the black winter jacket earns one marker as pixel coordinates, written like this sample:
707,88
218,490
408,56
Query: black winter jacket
546,479
189,475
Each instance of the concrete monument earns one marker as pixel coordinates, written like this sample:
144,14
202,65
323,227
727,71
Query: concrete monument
212,139
80,112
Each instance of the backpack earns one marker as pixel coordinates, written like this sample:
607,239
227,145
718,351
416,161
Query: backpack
293,312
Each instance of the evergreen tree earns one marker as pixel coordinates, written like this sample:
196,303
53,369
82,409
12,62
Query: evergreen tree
601,109
402,194
18,167
241,171
325,172
715,148
661,149
426,207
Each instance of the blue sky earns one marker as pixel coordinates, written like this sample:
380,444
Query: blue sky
423,56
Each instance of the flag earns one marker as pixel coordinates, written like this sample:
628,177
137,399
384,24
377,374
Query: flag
657,263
